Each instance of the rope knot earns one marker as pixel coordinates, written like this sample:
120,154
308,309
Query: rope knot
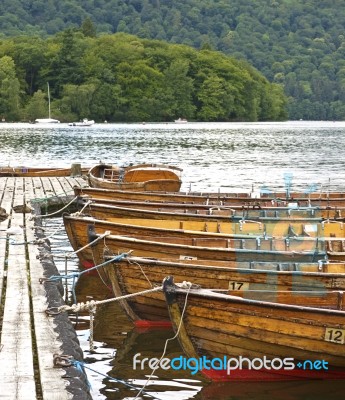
184,285
90,305
87,306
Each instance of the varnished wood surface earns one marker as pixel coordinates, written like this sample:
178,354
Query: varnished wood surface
137,274
80,232
334,199
216,324
143,178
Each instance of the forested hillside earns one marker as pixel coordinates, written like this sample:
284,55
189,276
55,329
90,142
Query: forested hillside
121,77
298,43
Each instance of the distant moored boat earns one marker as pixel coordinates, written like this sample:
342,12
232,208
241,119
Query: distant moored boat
48,120
84,122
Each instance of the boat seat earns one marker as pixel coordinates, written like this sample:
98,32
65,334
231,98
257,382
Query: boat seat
111,174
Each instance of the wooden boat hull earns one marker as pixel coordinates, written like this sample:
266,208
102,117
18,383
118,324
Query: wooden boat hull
235,211
287,228
106,211
135,274
218,326
167,248
176,197
161,185
268,226
223,199
37,172
82,231
150,177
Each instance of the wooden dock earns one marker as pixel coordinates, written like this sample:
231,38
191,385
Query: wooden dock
28,339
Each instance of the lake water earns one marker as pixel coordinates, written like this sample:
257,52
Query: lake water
219,156
305,156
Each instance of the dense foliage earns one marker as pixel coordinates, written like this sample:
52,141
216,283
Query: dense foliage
298,43
120,77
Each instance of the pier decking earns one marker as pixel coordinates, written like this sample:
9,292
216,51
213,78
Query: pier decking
28,340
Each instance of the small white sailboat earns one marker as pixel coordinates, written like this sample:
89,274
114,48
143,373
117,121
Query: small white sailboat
48,120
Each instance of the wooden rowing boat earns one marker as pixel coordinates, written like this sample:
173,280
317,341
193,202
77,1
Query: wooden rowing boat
275,281
276,228
223,199
41,171
209,249
105,211
82,230
216,325
235,211
273,226
142,177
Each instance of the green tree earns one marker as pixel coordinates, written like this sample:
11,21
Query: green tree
9,90
37,106
77,100
124,78
65,66
216,101
179,90
88,28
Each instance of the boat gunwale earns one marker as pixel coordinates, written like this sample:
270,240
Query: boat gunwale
213,295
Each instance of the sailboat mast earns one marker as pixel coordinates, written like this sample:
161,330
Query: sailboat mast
48,100
48,120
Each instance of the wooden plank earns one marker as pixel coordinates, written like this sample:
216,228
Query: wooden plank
47,187
16,357
55,185
5,202
39,195
65,186
53,386
68,183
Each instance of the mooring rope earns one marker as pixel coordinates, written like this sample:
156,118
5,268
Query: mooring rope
185,285
142,271
56,212
46,198
73,253
75,275
83,208
90,305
